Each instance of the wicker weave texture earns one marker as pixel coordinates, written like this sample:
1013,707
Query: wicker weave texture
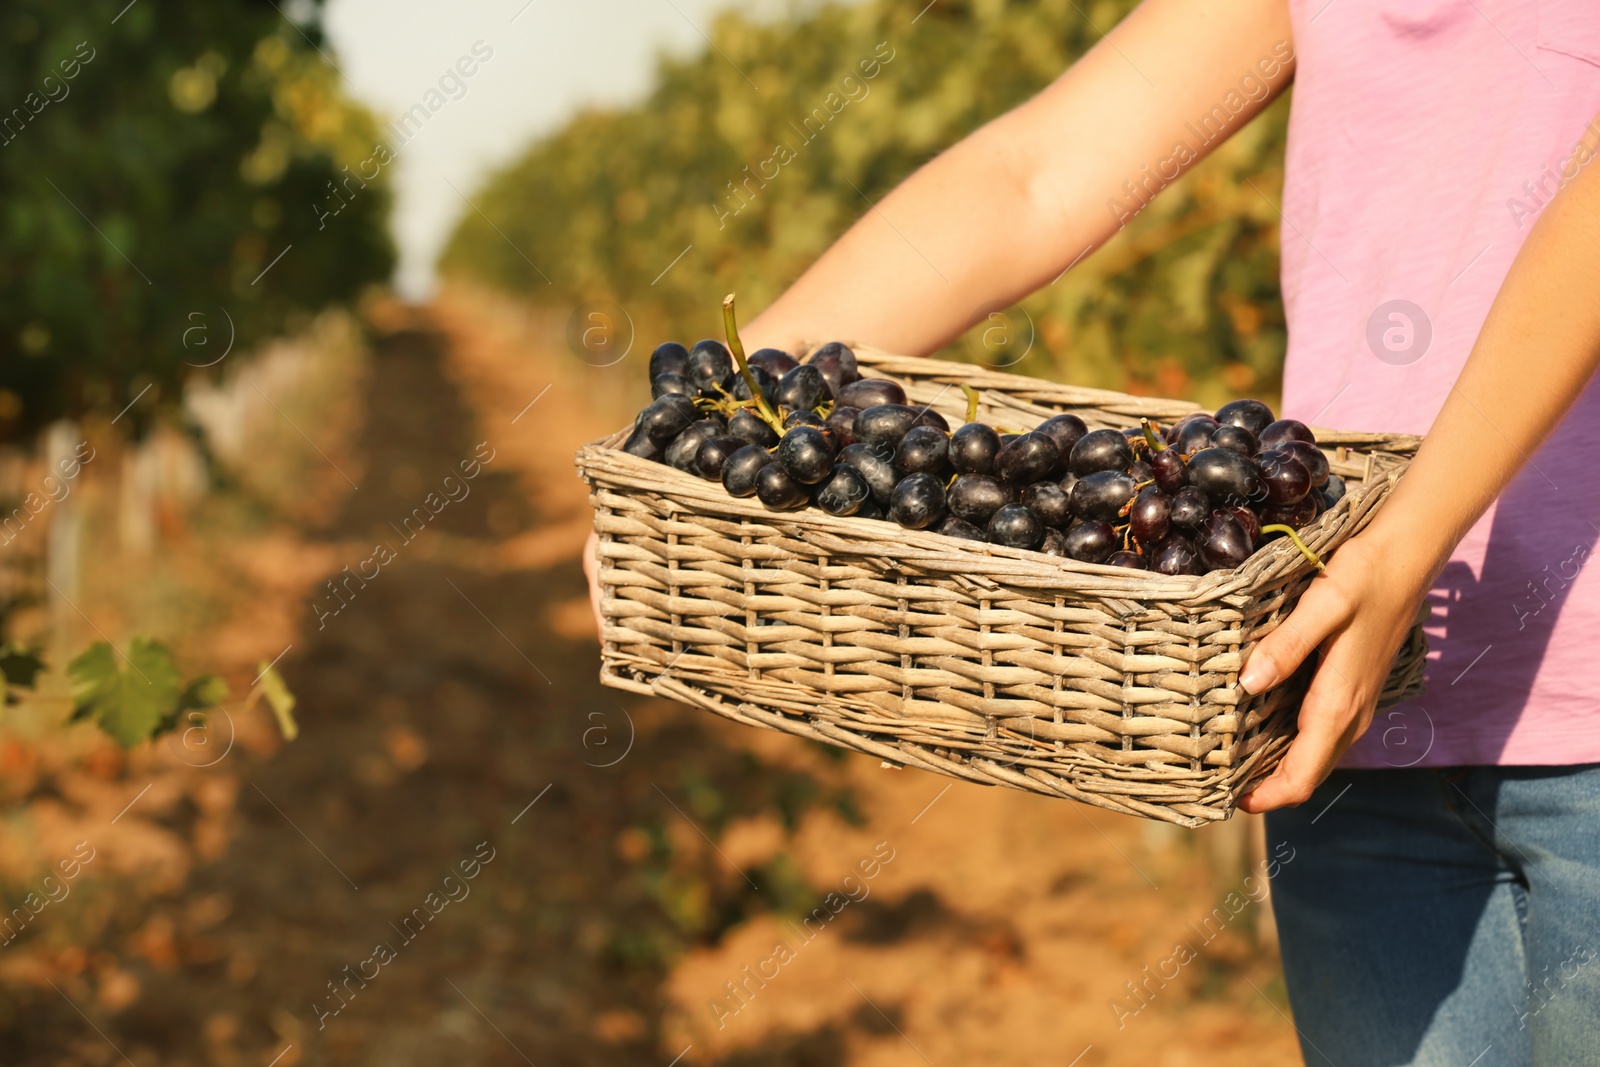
1114,687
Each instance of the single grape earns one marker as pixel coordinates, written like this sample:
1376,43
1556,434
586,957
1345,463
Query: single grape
1194,433
1028,459
644,446
1066,431
1234,439
870,392
1100,450
1132,560
843,491
752,428
1301,513
923,450
807,454
973,449
709,365
803,418
1334,491
871,509
1100,496
954,527
662,384
1253,415
1222,542
777,490
1016,526
666,417
1250,521
837,364
669,358
883,424
1226,476
917,502
1066,483
764,382
1190,507
841,423
1169,470
1141,471
1314,458
802,389
774,361
1286,430
685,447
1176,555
714,453
1286,477
976,497
928,417
1050,502
1055,542
1090,542
740,470
876,470
1150,515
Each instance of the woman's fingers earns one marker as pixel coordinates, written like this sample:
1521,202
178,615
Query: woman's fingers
1329,722
1322,610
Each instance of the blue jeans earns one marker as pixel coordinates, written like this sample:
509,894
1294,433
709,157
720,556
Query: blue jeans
1444,916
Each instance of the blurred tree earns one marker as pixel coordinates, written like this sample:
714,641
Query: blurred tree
1184,301
155,161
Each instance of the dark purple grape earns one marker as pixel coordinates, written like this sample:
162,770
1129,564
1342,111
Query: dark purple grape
1030,458
715,452
1066,431
1250,521
1189,508
1286,477
1150,514
973,449
923,450
1222,542
841,423
752,428
1334,491
663,384
1050,502
976,497
1131,560
685,447
804,418
1100,450
669,358
1067,482
775,361
1175,555
1007,438
764,382
1100,496
644,446
1194,433
1286,430
883,424
709,365
802,389
807,454
917,502
1299,514
1141,471
1314,458
666,417
837,364
1234,439
1090,542
1016,526
870,392
1169,470
930,417
1225,476
740,470
954,527
1055,542
1253,415
843,491
876,470
778,491
871,509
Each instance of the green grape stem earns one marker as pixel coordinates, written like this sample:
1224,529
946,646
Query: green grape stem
1150,436
736,347
1278,527
972,402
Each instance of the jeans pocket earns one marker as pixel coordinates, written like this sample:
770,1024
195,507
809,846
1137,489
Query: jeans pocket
1570,28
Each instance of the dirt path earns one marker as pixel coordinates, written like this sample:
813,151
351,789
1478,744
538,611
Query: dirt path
628,859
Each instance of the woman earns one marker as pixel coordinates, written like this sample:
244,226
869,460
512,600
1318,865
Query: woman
1441,261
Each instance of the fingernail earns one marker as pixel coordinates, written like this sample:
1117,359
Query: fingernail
1260,674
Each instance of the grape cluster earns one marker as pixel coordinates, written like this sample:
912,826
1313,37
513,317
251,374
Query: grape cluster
1201,495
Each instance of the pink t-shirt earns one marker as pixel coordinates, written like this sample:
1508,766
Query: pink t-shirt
1425,137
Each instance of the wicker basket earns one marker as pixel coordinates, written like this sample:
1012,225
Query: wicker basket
994,665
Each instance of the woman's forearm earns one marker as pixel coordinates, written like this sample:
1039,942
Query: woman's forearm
1537,350
1007,209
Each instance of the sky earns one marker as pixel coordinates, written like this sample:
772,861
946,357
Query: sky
549,58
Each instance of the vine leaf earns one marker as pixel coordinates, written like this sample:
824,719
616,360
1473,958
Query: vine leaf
128,700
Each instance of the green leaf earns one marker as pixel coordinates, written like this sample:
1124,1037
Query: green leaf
128,696
277,693
206,691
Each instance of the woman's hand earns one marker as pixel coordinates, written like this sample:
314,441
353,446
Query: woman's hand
1358,615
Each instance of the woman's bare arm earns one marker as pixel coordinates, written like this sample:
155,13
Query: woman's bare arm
1007,209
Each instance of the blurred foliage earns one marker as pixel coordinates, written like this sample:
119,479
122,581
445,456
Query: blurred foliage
154,162
1183,302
